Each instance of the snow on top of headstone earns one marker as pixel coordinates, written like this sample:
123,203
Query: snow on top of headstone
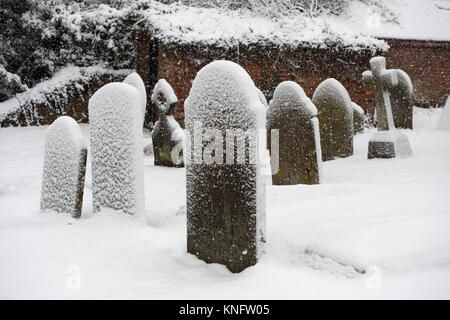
290,94
444,121
223,96
404,80
262,98
357,108
136,81
163,95
333,89
65,128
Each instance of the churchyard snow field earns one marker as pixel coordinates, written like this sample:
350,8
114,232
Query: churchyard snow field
375,228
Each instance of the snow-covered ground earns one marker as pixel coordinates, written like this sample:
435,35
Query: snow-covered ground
390,218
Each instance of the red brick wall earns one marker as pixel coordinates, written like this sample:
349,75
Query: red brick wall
427,63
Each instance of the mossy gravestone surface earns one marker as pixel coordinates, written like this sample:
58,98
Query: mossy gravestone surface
335,119
115,117
402,100
293,114
64,167
387,142
225,189
167,135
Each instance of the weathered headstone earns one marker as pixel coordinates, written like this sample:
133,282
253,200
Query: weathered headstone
64,167
444,120
116,146
358,118
402,100
136,81
225,190
167,135
293,114
335,119
387,142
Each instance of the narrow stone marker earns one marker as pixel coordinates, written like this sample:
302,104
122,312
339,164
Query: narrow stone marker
335,119
295,116
358,118
136,81
64,167
225,190
402,100
167,135
387,142
116,142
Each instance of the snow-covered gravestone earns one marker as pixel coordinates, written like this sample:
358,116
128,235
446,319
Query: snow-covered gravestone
358,118
167,135
387,142
225,188
444,120
116,141
136,81
293,114
401,101
335,119
64,167
262,98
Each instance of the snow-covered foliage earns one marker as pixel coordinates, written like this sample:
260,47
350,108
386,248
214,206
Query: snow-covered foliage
136,81
67,85
116,143
444,121
223,97
167,135
64,167
176,23
10,84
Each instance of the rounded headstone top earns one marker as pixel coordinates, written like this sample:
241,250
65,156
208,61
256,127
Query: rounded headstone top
163,95
405,81
223,96
332,90
136,81
262,98
68,129
290,94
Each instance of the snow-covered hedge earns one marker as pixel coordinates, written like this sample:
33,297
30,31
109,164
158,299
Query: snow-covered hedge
69,87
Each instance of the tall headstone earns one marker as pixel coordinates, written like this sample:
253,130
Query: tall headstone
387,142
136,81
116,142
358,118
64,167
335,119
402,100
225,189
167,135
293,114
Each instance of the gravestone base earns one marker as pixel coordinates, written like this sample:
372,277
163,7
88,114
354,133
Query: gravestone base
389,144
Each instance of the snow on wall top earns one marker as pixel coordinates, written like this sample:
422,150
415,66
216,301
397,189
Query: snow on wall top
61,78
177,23
290,94
417,20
